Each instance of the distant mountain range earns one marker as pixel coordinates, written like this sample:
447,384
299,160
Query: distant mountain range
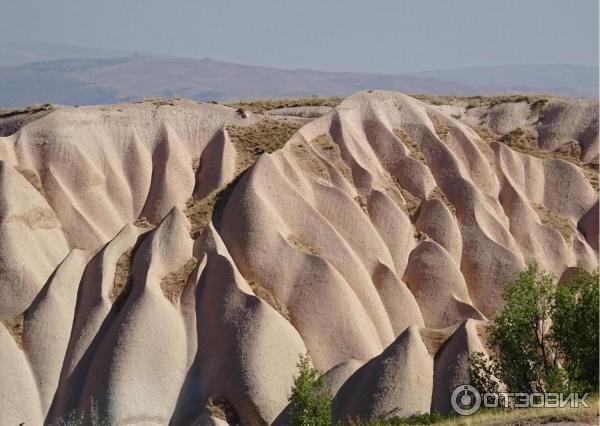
40,73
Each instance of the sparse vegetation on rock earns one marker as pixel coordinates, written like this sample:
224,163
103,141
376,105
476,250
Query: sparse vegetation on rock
265,104
252,140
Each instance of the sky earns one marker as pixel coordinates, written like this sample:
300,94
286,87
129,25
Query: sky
383,36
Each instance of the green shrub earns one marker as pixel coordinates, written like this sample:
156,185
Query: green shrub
81,418
544,339
575,329
310,404
482,373
519,336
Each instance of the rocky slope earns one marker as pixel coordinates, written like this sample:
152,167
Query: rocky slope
170,260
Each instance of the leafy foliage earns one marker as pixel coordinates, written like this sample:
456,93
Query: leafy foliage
310,404
482,373
544,339
519,333
575,328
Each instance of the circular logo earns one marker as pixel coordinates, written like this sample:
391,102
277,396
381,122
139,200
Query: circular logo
465,400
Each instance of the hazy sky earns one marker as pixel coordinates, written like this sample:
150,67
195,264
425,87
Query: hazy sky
352,35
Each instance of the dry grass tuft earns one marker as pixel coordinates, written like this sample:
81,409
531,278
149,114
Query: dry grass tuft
142,222
440,128
527,143
158,102
222,409
262,104
590,171
172,285
411,203
413,147
485,134
251,141
162,102
439,194
536,101
15,328
420,236
435,338
330,151
31,109
301,246
310,162
325,143
199,211
270,298
362,203
123,278
561,224
521,141
435,99
531,416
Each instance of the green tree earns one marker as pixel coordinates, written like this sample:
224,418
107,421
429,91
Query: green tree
524,354
482,373
310,404
575,329
545,339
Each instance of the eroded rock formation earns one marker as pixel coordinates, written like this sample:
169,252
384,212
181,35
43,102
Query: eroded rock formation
170,260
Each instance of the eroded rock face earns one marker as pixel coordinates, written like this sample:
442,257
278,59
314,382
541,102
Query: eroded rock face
170,261
398,382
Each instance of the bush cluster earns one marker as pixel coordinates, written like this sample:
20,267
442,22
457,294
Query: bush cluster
545,339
